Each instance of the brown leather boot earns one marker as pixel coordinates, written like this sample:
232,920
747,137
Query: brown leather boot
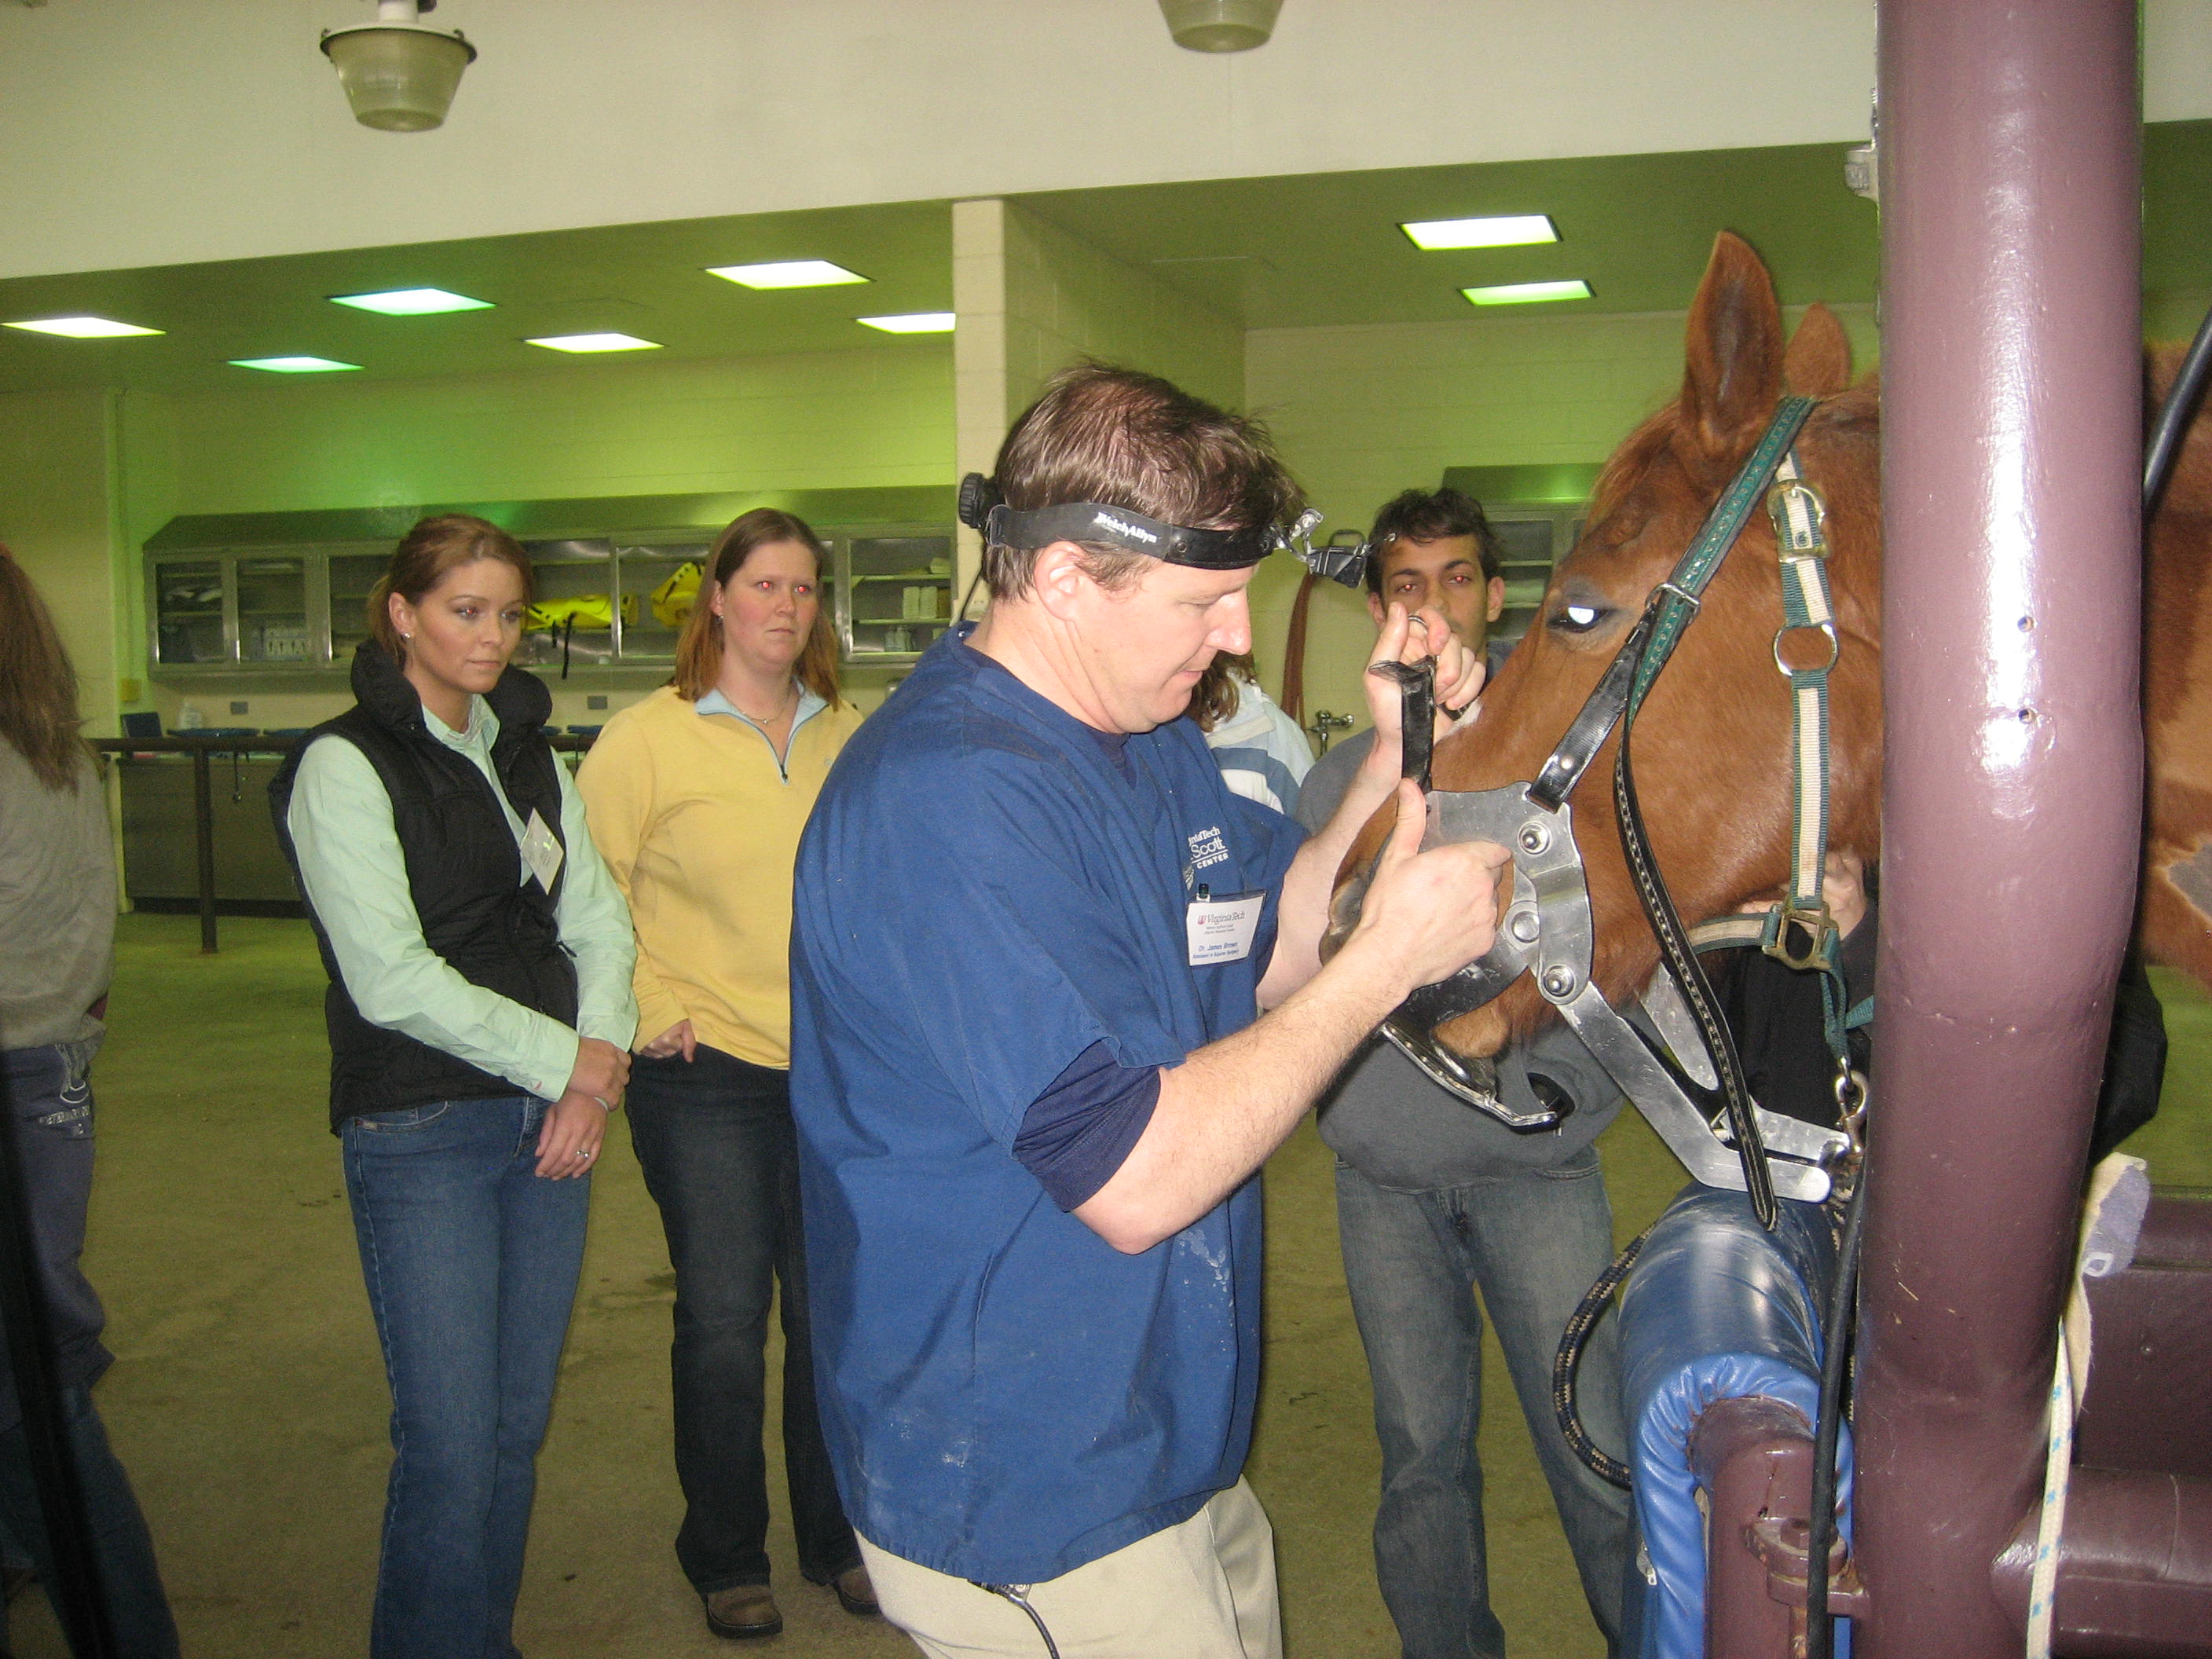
743,1612
855,1594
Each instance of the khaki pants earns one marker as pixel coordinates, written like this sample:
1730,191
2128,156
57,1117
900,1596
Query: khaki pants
1204,1589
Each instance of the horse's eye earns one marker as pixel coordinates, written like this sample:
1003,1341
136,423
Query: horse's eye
1577,619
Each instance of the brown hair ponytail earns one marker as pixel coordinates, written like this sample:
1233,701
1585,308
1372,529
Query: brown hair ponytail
425,556
38,687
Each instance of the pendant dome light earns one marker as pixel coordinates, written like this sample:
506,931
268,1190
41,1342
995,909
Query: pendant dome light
399,75
1220,25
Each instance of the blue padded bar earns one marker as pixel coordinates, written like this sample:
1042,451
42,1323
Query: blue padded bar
1717,1309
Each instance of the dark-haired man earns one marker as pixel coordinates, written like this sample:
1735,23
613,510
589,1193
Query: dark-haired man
1033,930
1435,1198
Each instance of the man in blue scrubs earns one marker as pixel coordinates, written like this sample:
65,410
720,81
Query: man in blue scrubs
1033,934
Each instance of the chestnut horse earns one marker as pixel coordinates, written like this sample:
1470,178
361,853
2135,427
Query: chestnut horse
1713,740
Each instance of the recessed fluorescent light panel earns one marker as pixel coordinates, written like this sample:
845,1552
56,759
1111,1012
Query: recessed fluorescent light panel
84,328
788,273
410,301
1524,293
1512,230
292,365
913,322
594,343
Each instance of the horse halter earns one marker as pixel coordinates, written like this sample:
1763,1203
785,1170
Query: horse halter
1680,1067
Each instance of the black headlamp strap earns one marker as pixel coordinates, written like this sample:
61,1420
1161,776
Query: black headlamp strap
1116,526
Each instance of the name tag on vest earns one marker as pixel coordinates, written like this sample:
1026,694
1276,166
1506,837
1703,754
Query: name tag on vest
1221,929
541,850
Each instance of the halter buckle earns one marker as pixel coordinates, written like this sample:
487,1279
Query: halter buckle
1819,924
1803,531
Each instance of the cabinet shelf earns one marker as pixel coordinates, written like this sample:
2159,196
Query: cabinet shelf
209,609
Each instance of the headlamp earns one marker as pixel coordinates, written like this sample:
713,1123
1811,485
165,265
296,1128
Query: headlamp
981,509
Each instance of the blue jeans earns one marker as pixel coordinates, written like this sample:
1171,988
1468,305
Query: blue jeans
1534,1243
48,1094
721,1160
472,1261
121,1549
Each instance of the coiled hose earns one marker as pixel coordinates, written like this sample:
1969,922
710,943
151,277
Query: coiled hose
1568,1359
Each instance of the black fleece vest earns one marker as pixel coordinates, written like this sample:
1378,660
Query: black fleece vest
464,873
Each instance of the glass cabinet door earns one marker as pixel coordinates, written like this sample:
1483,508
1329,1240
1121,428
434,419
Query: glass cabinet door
272,610
188,612
1527,547
897,593
655,596
353,577
571,624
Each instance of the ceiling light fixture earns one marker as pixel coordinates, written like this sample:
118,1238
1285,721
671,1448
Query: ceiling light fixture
399,76
594,343
292,365
83,328
912,322
1523,294
1507,230
1220,25
786,273
410,301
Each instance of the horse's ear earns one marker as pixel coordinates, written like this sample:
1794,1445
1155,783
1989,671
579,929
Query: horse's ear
1733,376
1819,362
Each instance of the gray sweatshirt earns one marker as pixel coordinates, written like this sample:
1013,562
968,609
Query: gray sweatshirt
57,905
1383,1116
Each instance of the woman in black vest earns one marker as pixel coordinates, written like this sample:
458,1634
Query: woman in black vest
480,1016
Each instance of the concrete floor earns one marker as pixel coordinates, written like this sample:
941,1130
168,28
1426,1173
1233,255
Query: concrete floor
248,1401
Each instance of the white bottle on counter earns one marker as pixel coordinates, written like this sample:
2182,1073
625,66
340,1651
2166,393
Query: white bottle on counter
189,718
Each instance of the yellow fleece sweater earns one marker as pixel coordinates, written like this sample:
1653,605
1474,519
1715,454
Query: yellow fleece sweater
700,827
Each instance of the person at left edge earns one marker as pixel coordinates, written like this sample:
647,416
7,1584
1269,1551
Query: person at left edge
1032,931
57,955
480,1019
696,797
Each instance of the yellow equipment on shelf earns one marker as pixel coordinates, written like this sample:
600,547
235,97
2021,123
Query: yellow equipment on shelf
674,599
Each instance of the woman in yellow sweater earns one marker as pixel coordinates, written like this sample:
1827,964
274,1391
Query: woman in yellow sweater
695,797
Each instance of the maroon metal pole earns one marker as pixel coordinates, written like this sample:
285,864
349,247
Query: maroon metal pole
2011,445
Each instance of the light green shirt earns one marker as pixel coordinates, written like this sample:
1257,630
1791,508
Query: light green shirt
355,876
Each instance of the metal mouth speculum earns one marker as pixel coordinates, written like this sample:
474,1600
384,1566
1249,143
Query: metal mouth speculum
1547,930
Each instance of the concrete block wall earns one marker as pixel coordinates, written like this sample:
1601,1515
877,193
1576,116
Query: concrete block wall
1031,299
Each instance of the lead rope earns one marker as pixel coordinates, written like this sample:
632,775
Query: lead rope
1689,979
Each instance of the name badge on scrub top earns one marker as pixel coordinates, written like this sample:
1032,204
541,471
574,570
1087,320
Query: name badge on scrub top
1221,929
541,850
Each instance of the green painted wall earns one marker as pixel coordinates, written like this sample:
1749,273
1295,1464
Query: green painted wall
1067,300
56,458
803,421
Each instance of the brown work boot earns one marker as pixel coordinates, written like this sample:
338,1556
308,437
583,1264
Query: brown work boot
855,1594
743,1612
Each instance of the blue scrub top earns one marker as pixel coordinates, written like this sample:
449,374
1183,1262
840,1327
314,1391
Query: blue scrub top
981,895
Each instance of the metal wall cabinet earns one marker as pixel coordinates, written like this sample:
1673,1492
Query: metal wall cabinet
893,590
274,610
1532,540
286,593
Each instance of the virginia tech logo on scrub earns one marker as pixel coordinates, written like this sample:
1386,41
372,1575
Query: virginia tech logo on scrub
1208,848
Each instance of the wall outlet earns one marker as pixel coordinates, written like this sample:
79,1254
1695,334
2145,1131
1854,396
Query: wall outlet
238,707
595,701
